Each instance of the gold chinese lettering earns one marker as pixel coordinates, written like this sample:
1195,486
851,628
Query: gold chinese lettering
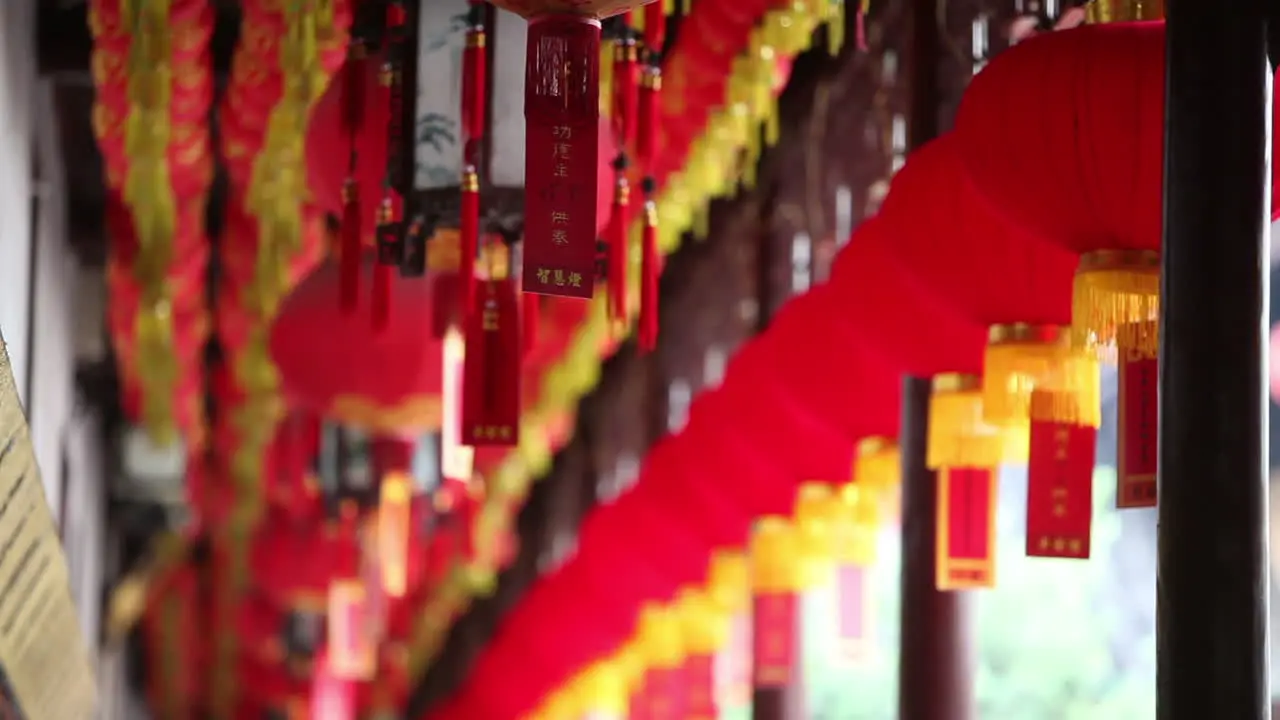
1075,546
1061,441
560,151
562,132
560,236
489,319
1058,545
559,217
575,279
559,277
561,170
544,275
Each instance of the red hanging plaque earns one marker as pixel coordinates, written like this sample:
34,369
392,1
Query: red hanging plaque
562,135
664,694
1139,413
966,528
700,695
774,634
491,368
1060,490
854,610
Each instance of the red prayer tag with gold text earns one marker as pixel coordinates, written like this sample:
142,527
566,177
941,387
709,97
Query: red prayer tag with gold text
966,528
700,689
1139,413
664,694
491,368
1060,490
776,616
562,155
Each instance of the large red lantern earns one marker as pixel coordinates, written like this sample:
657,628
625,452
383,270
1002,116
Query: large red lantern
339,365
869,290
695,493
944,234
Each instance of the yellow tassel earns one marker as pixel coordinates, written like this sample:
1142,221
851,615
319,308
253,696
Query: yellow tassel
1021,357
959,434
607,50
857,519
835,25
877,464
1116,301
1080,403
729,580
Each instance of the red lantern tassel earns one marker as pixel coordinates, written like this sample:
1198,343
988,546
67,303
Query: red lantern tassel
530,309
349,257
650,268
474,83
647,128
562,155
618,242
625,88
655,27
469,236
491,368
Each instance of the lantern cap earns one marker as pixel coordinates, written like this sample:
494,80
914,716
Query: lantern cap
774,548
704,625
877,462
947,383
601,688
729,579
1026,333
1099,12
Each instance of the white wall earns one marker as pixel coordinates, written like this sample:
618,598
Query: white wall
17,77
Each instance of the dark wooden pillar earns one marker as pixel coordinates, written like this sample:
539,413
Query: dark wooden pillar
936,657
1211,627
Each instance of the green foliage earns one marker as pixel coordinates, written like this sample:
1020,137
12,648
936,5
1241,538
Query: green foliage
1045,638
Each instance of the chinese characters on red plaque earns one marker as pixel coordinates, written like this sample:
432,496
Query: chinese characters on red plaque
1139,417
853,618
491,368
966,528
1060,490
776,617
562,135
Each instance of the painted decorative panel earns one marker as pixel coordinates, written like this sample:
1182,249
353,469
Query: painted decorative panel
509,35
439,133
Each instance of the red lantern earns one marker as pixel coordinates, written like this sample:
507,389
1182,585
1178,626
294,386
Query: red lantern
828,369
387,381
946,236
692,487
293,565
870,291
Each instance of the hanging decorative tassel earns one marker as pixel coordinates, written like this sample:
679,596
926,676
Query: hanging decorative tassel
1020,357
626,66
491,370
562,148
647,112
650,269
618,245
382,271
959,434
391,231
474,83
469,237
350,256
877,464
777,581
1115,300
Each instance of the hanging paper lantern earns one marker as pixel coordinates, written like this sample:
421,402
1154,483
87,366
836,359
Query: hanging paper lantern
899,317
838,380
945,235
386,381
776,583
1077,159
690,485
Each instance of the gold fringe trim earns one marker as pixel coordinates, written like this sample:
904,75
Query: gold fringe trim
1080,404
1020,358
877,463
959,434
1116,301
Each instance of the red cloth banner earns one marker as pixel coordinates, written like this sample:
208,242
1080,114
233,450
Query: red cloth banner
491,368
966,528
1060,490
1139,417
562,148
776,618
